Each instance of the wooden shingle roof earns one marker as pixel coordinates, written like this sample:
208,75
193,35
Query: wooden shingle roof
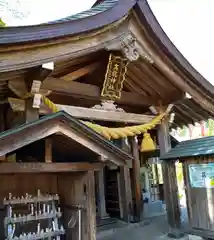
191,148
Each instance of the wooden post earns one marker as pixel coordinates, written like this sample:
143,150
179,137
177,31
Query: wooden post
136,179
31,113
2,126
48,150
120,198
91,208
170,183
157,181
125,189
101,194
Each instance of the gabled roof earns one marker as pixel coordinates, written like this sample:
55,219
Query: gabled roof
191,148
65,124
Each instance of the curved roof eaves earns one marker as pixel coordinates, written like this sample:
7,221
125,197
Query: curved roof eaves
105,13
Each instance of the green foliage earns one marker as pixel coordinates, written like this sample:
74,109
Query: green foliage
2,24
184,131
179,171
210,127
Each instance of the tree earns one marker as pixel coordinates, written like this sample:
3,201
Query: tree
13,9
2,24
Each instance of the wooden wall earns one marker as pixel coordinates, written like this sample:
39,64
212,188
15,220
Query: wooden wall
74,189
200,201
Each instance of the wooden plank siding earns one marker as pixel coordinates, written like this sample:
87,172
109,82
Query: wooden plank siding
200,201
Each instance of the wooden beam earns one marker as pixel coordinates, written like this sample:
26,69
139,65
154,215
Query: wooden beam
88,113
23,86
31,84
19,87
88,91
81,72
31,113
80,90
6,167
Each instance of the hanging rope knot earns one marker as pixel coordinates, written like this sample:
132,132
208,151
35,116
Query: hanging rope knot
116,133
146,135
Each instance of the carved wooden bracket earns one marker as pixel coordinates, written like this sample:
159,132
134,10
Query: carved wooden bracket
131,48
108,105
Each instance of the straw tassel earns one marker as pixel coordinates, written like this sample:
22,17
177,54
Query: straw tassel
147,143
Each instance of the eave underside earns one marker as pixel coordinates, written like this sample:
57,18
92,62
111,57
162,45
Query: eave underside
145,82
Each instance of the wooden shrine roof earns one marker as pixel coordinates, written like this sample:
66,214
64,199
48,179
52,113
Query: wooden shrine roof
191,148
79,46
61,124
109,11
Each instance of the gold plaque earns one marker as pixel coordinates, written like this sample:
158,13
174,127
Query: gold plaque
114,78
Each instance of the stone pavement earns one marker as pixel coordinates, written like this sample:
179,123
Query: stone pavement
156,229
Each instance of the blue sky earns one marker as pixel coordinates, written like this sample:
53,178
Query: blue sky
188,23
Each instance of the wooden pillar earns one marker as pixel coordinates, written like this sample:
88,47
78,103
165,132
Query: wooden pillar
2,126
91,207
126,194
101,194
170,183
136,179
157,197
125,189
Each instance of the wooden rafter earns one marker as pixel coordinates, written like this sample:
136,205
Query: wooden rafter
138,78
191,111
185,115
80,72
